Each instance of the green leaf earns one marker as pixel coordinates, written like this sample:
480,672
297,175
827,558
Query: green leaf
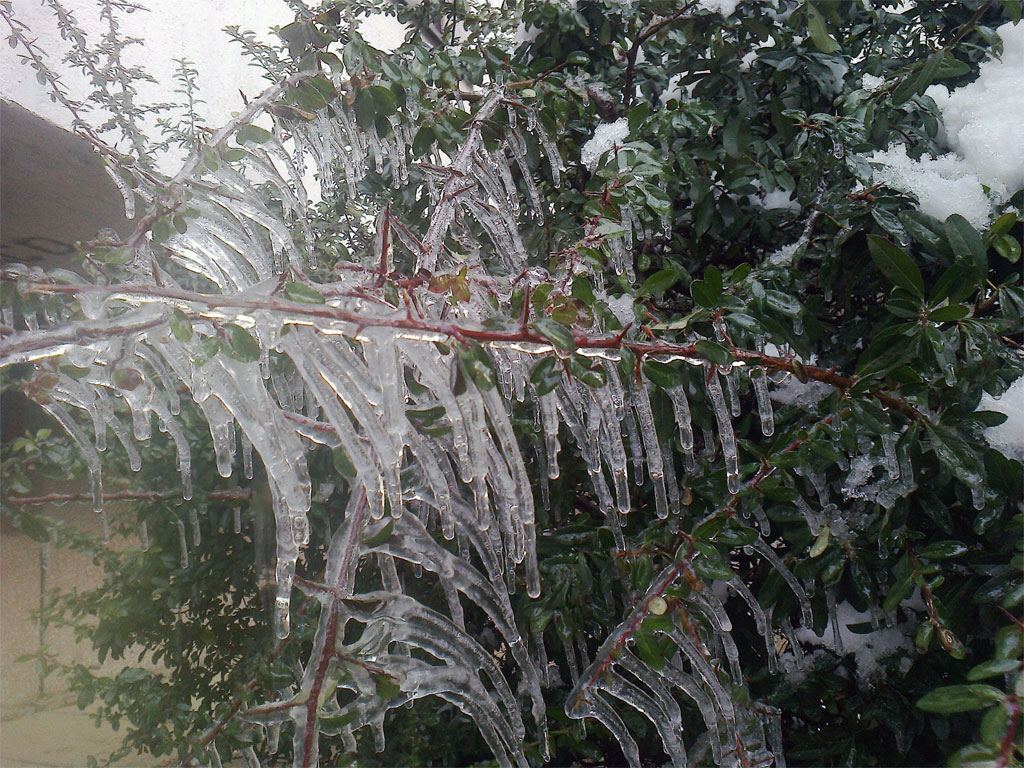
546,374
382,535
1008,247
713,569
241,345
387,688
556,333
894,263
659,282
342,463
254,134
703,295
302,293
967,245
664,375
714,352
818,30
940,550
948,313
181,326
993,668
917,81
959,698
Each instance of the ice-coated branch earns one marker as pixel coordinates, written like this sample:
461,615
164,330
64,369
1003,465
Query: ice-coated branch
444,213
17,346
230,494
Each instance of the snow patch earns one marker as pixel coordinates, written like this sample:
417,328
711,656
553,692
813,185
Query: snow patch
724,7
870,83
868,650
606,137
779,198
983,125
985,120
1008,437
943,186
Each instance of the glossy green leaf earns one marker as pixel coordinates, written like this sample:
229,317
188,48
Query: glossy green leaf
895,264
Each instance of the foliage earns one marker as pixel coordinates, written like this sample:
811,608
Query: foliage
577,321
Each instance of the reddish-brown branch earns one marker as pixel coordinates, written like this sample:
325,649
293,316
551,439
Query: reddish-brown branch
1009,742
647,32
23,342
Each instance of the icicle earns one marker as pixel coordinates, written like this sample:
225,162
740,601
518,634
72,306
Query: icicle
237,511
769,554
725,433
143,533
246,457
124,189
551,151
681,408
891,463
182,543
764,403
833,620
249,758
734,399
104,528
197,536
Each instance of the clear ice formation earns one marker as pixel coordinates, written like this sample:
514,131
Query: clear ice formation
357,376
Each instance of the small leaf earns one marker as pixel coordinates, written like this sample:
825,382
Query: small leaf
545,375
943,549
1007,247
894,263
303,294
948,313
342,463
241,345
556,333
993,668
714,352
387,688
702,295
959,698
818,30
967,244
181,326
659,282
663,374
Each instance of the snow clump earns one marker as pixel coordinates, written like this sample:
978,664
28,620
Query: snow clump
606,137
1008,437
868,650
983,126
724,7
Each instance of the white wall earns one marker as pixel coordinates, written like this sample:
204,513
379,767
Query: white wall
171,29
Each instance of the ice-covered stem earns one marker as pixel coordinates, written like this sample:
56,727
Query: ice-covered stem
652,28
617,641
190,170
14,347
444,213
231,494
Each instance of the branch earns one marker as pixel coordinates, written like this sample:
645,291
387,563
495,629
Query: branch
18,346
231,494
612,647
443,214
647,32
